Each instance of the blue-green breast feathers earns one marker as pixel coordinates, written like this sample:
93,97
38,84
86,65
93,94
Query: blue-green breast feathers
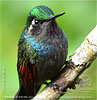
41,12
38,46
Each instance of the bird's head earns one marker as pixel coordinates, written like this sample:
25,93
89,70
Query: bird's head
41,18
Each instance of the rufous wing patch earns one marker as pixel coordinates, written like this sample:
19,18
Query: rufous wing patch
28,76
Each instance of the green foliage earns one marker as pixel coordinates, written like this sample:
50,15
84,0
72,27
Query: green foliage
79,20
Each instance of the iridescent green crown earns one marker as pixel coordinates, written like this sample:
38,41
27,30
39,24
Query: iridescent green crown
41,12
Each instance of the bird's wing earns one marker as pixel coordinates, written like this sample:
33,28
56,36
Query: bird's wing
27,76
26,67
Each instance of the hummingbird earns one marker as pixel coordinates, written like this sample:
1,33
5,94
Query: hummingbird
42,51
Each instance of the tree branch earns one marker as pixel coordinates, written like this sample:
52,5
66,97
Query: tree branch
80,61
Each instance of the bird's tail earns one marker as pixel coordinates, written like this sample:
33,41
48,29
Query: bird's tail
23,95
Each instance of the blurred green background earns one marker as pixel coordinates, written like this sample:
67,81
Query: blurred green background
79,20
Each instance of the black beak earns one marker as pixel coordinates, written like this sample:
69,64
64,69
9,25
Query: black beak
56,16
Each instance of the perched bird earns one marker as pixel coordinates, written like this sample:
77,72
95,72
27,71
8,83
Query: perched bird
42,51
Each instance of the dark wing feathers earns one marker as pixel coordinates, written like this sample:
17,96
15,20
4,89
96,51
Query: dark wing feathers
27,75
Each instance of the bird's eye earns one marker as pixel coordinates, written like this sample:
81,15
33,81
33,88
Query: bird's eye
35,22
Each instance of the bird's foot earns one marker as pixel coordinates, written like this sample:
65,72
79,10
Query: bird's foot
54,86
70,64
51,85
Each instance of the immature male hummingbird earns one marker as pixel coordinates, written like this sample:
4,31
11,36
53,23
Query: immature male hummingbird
42,51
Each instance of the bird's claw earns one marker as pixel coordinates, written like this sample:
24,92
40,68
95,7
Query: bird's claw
70,64
54,86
